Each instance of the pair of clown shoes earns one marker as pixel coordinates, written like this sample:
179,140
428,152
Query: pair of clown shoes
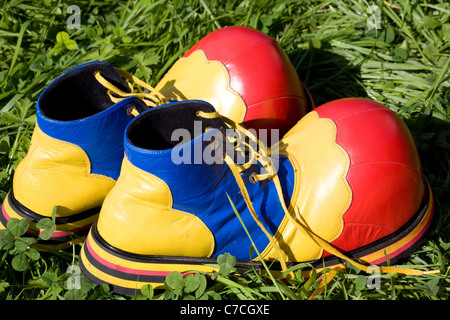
229,141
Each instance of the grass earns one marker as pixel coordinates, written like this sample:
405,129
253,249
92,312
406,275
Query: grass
403,64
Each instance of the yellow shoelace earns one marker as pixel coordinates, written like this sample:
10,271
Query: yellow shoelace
152,98
293,215
261,156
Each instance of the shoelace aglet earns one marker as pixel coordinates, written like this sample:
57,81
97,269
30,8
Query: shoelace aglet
432,272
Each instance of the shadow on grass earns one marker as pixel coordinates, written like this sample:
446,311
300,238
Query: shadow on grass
432,138
327,75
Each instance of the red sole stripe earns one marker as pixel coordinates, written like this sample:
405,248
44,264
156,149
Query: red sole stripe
121,268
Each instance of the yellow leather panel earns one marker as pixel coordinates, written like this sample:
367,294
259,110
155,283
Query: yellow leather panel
137,216
56,172
196,77
321,192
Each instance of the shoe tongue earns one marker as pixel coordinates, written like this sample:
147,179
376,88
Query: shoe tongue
162,127
77,94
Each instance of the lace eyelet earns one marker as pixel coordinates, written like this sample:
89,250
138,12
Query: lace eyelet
251,178
214,145
131,110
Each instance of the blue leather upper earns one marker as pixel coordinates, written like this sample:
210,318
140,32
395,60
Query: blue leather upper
202,189
100,135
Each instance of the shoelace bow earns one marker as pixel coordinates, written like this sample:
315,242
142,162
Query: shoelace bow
256,151
152,99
